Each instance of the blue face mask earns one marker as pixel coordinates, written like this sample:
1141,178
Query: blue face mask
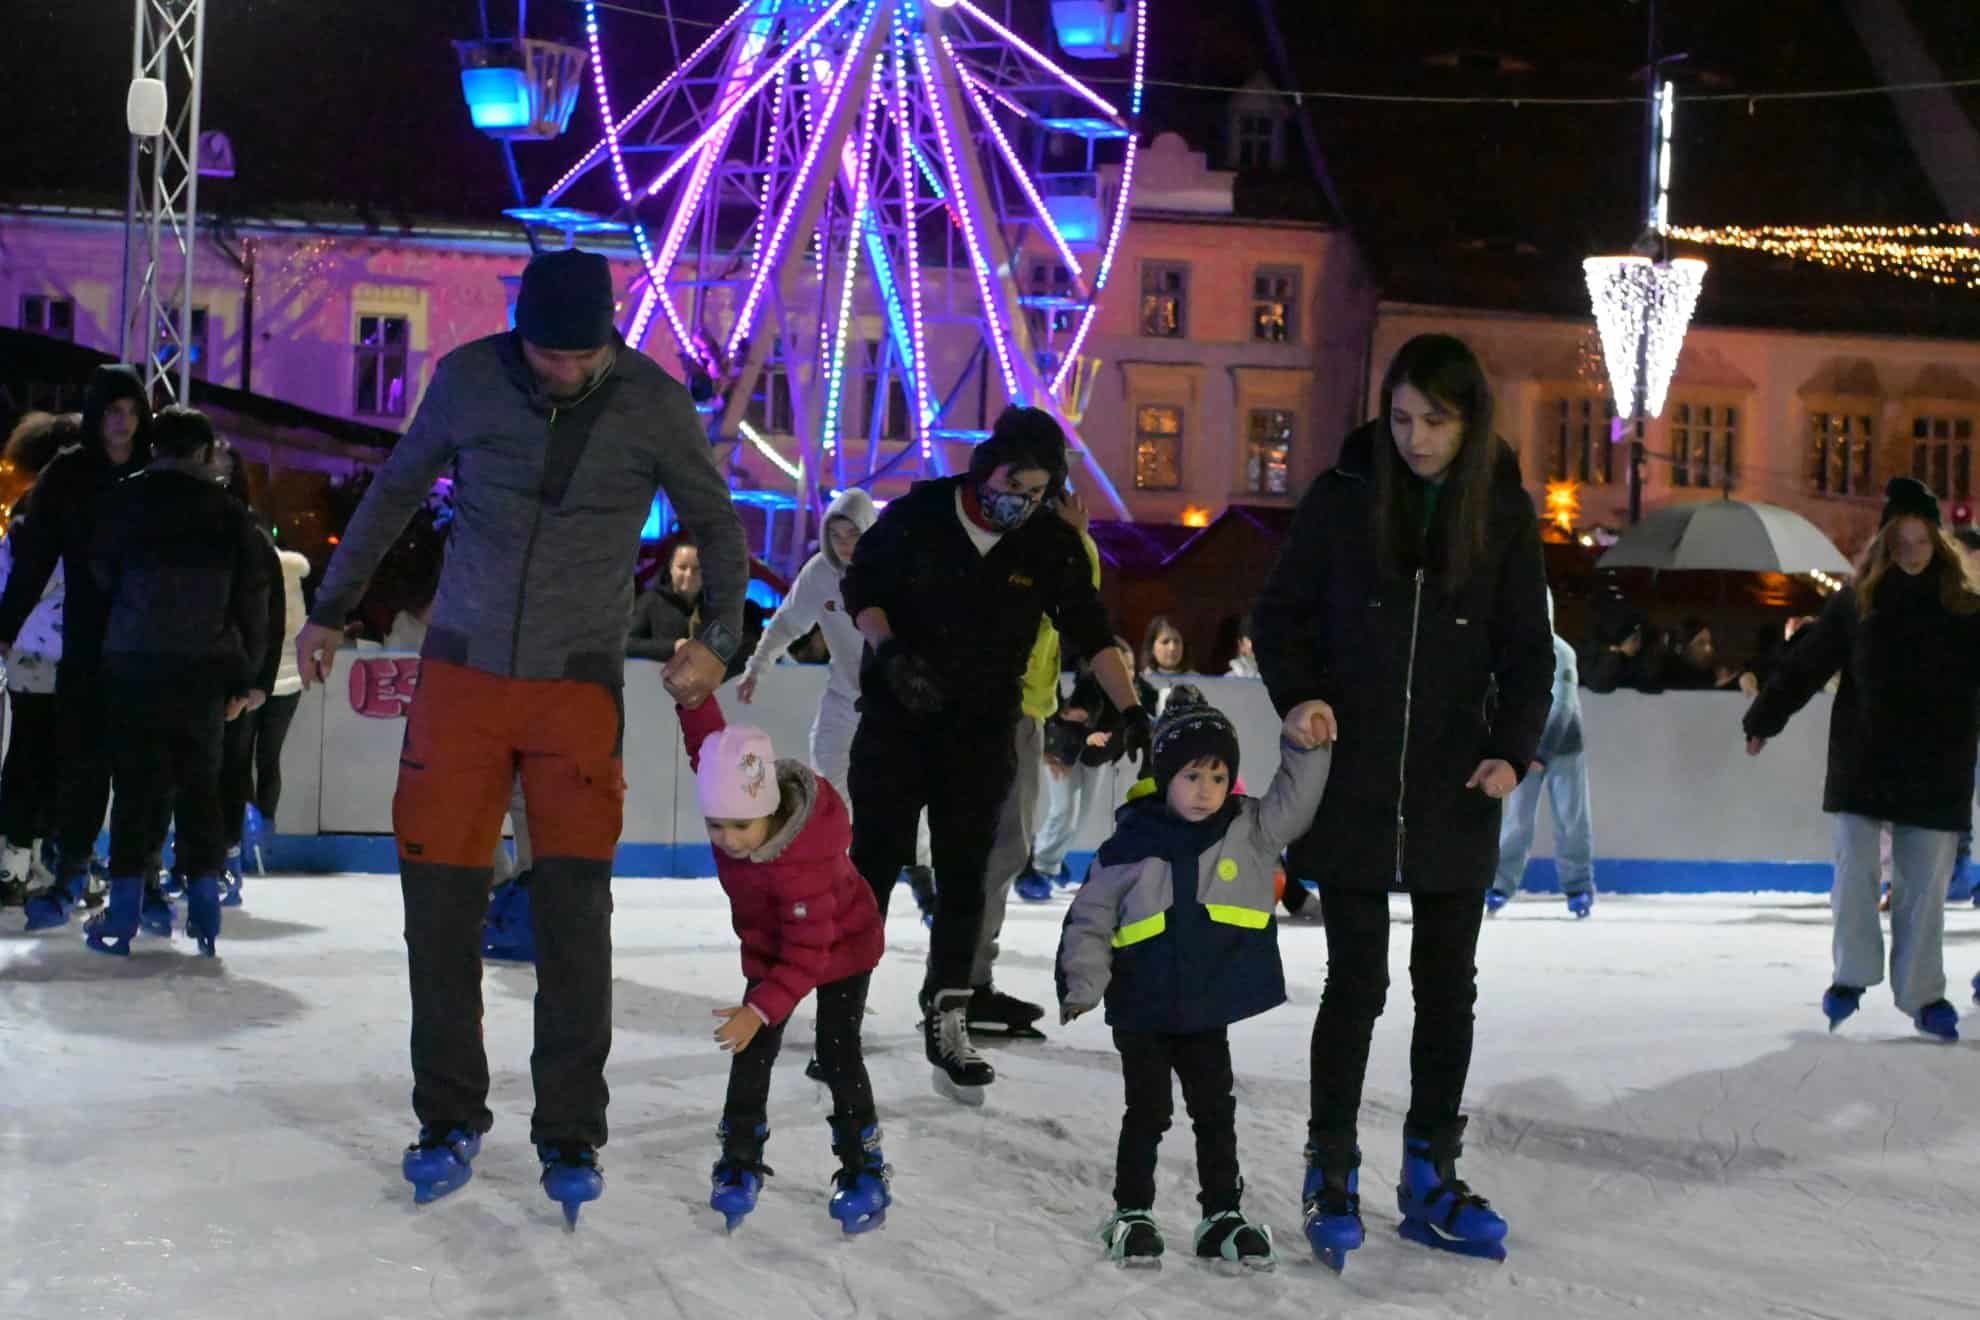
1005,510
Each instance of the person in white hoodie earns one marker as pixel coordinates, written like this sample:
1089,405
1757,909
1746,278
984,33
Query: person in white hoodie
816,601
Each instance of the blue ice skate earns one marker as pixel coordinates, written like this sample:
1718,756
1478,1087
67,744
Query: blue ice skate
508,934
1581,904
1495,902
571,1176
738,1176
50,907
203,911
1033,887
1331,1202
1438,1209
441,1161
110,930
1840,1002
254,838
231,879
1939,1019
864,1181
158,915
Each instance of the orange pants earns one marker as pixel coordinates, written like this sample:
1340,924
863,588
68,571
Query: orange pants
468,735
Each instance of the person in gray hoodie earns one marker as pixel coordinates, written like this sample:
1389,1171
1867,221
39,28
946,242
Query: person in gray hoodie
1560,771
559,437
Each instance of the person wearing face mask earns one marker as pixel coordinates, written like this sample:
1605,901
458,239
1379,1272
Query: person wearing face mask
1902,739
1410,598
55,526
948,589
559,436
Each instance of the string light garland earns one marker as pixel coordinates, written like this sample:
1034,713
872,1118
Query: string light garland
1945,254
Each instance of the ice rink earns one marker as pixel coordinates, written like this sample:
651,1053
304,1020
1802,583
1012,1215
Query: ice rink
1656,1107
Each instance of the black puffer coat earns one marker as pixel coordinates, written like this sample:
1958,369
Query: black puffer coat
1457,678
1903,731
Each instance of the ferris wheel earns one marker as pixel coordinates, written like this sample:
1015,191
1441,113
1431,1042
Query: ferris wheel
866,224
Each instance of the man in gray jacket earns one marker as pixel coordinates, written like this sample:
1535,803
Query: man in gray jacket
557,436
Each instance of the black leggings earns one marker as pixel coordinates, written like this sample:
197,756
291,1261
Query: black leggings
253,766
27,783
841,1005
1443,974
1203,1063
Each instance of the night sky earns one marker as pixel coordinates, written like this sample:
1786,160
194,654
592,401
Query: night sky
356,103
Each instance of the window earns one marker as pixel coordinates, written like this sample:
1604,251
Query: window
769,409
46,314
1257,142
1701,433
1158,447
382,345
1164,300
195,341
1274,295
1578,427
1839,453
1268,451
1942,455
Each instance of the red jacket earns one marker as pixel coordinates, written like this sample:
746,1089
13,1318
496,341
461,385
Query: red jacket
805,917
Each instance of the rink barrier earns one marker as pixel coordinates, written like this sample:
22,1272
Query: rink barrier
1678,805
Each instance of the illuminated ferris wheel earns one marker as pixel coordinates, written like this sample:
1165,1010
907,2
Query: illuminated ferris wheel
866,224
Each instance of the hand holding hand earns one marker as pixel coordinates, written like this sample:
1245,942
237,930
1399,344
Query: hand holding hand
1311,724
694,673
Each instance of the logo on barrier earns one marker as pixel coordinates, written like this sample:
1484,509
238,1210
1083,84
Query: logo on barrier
383,689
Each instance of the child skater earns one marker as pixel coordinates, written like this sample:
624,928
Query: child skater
807,922
1174,929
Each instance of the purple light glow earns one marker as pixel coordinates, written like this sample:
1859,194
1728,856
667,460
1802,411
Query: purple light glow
916,334
1075,84
862,178
1018,171
1122,204
618,159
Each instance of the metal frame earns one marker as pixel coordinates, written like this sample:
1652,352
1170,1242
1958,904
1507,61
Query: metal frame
161,206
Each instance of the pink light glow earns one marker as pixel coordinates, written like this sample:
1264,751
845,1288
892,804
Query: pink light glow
1018,170
1075,84
618,159
862,178
923,404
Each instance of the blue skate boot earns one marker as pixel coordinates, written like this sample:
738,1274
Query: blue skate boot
50,907
1331,1201
571,1176
1939,1019
1438,1209
110,930
1495,902
864,1181
738,1176
441,1161
158,915
1839,1003
203,911
507,933
231,878
1581,904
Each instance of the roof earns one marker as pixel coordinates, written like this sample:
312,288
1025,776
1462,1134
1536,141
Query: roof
1141,550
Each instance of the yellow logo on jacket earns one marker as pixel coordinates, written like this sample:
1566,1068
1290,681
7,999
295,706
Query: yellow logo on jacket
1227,869
1020,580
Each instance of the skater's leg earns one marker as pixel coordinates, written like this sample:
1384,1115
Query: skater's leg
841,1059
1516,828
890,780
832,730
236,775
197,742
1859,935
746,1104
30,767
1443,975
82,764
1357,923
972,785
1145,1069
142,762
270,735
455,772
1203,1065
574,787
1010,849
1574,824
1922,863
1063,800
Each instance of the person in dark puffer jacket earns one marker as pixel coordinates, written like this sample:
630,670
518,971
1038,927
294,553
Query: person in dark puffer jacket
807,921
1174,929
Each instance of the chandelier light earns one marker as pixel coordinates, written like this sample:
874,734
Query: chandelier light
1642,308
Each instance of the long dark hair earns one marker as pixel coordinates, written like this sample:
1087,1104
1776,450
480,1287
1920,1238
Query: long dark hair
1160,624
1445,369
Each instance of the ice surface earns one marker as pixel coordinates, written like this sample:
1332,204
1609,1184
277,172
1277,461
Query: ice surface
1656,1108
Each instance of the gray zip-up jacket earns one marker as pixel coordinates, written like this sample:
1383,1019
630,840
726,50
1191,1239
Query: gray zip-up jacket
549,499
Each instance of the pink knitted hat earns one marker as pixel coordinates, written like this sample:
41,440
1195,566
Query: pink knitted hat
737,778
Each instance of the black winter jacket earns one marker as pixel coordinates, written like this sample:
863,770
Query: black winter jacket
1065,740
1457,678
972,617
662,619
1902,732
184,571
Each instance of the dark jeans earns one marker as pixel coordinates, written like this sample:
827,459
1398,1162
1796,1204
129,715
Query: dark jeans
166,760
27,782
253,770
1202,1061
1443,975
961,771
82,761
841,1005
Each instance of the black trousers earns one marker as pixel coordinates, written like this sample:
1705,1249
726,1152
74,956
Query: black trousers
1202,1060
1443,975
166,760
82,760
27,781
960,770
253,764
841,1005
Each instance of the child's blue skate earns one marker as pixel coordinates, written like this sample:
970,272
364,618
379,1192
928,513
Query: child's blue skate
1438,1209
441,1161
1839,1004
1495,902
571,1176
1938,1019
254,838
110,930
49,908
863,1182
508,933
158,915
203,911
1581,904
738,1176
1033,887
231,879
1331,1201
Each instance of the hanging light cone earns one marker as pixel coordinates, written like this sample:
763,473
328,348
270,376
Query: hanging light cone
1642,308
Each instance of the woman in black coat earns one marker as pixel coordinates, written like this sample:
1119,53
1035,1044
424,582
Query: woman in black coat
1902,735
1410,596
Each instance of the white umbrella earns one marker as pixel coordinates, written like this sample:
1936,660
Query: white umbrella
1727,535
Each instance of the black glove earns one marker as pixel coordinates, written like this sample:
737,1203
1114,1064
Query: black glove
1137,734
910,678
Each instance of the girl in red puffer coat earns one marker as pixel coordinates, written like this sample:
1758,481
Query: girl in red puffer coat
807,922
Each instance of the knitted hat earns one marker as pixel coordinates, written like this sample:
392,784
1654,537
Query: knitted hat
1189,730
566,301
1906,497
737,777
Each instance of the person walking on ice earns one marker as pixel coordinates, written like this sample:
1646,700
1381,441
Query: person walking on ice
558,437
1559,769
1173,929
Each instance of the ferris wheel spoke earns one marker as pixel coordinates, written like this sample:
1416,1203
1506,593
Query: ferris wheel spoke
1025,185
1039,58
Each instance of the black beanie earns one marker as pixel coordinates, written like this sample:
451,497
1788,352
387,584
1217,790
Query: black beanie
566,301
1190,730
1906,497
1024,438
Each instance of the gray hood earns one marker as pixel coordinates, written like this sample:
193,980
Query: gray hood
797,787
857,508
